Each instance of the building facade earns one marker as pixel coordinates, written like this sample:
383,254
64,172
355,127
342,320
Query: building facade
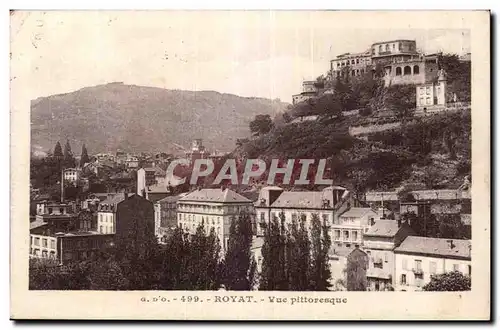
418,258
214,208
71,175
354,64
329,204
135,223
400,61
379,243
351,225
69,247
165,216
431,96
309,90
106,214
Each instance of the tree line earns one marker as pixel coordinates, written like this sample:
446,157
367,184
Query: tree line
292,259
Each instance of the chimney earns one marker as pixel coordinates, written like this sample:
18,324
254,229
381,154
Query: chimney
62,186
451,243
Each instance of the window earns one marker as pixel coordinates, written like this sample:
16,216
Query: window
394,46
407,70
386,257
422,100
337,235
262,217
421,91
469,269
405,264
380,48
100,229
428,90
44,242
37,241
346,235
455,267
418,264
432,267
428,101
387,48
416,69
398,71
357,61
403,279
354,235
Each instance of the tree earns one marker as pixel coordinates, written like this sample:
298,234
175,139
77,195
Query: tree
452,281
239,268
273,277
58,153
320,274
299,260
401,99
69,159
84,158
357,264
262,124
451,226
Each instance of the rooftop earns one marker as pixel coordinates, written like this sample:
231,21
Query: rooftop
394,40
456,248
356,212
383,228
169,199
36,224
303,199
216,195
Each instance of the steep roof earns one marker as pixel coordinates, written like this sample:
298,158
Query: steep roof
383,228
215,195
169,199
356,212
436,246
303,199
36,224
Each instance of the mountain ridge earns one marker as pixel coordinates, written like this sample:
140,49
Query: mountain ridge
138,118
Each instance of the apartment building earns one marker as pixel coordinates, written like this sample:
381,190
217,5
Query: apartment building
418,258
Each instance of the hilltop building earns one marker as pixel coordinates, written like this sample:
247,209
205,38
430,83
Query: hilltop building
356,64
309,90
431,96
400,60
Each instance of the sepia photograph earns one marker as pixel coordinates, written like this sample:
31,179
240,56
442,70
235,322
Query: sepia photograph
265,160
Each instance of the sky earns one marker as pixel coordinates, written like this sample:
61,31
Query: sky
254,53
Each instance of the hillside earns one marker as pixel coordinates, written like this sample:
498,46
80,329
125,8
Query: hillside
138,118
371,135
429,152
